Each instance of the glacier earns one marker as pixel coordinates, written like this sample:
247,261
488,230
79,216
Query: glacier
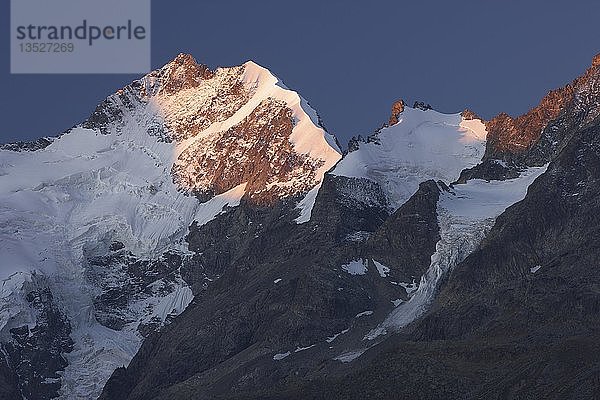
88,188
465,215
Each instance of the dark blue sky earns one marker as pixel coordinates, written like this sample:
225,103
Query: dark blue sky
350,60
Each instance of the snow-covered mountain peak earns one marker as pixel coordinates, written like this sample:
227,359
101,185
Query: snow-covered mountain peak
98,216
228,126
421,145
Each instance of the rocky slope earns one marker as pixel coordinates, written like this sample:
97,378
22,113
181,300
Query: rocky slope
517,319
515,136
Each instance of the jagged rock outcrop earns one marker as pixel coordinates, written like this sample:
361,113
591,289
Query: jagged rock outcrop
397,109
421,105
469,114
560,111
34,145
536,137
182,73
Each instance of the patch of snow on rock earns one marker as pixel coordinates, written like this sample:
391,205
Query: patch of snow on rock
281,356
356,267
382,269
332,338
350,356
363,314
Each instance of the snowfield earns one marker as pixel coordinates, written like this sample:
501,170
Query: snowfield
423,145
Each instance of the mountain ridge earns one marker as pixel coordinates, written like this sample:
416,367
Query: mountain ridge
203,224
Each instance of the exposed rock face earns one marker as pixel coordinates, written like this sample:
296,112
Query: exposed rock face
511,138
349,205
182,73
355,141
490,170
190,98
9,384
36,354
537,137
34,145
468,114
175,102
129,285
397,109
258,151
413,226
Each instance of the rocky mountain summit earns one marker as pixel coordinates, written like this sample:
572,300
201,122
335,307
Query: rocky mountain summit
201,236
231,126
